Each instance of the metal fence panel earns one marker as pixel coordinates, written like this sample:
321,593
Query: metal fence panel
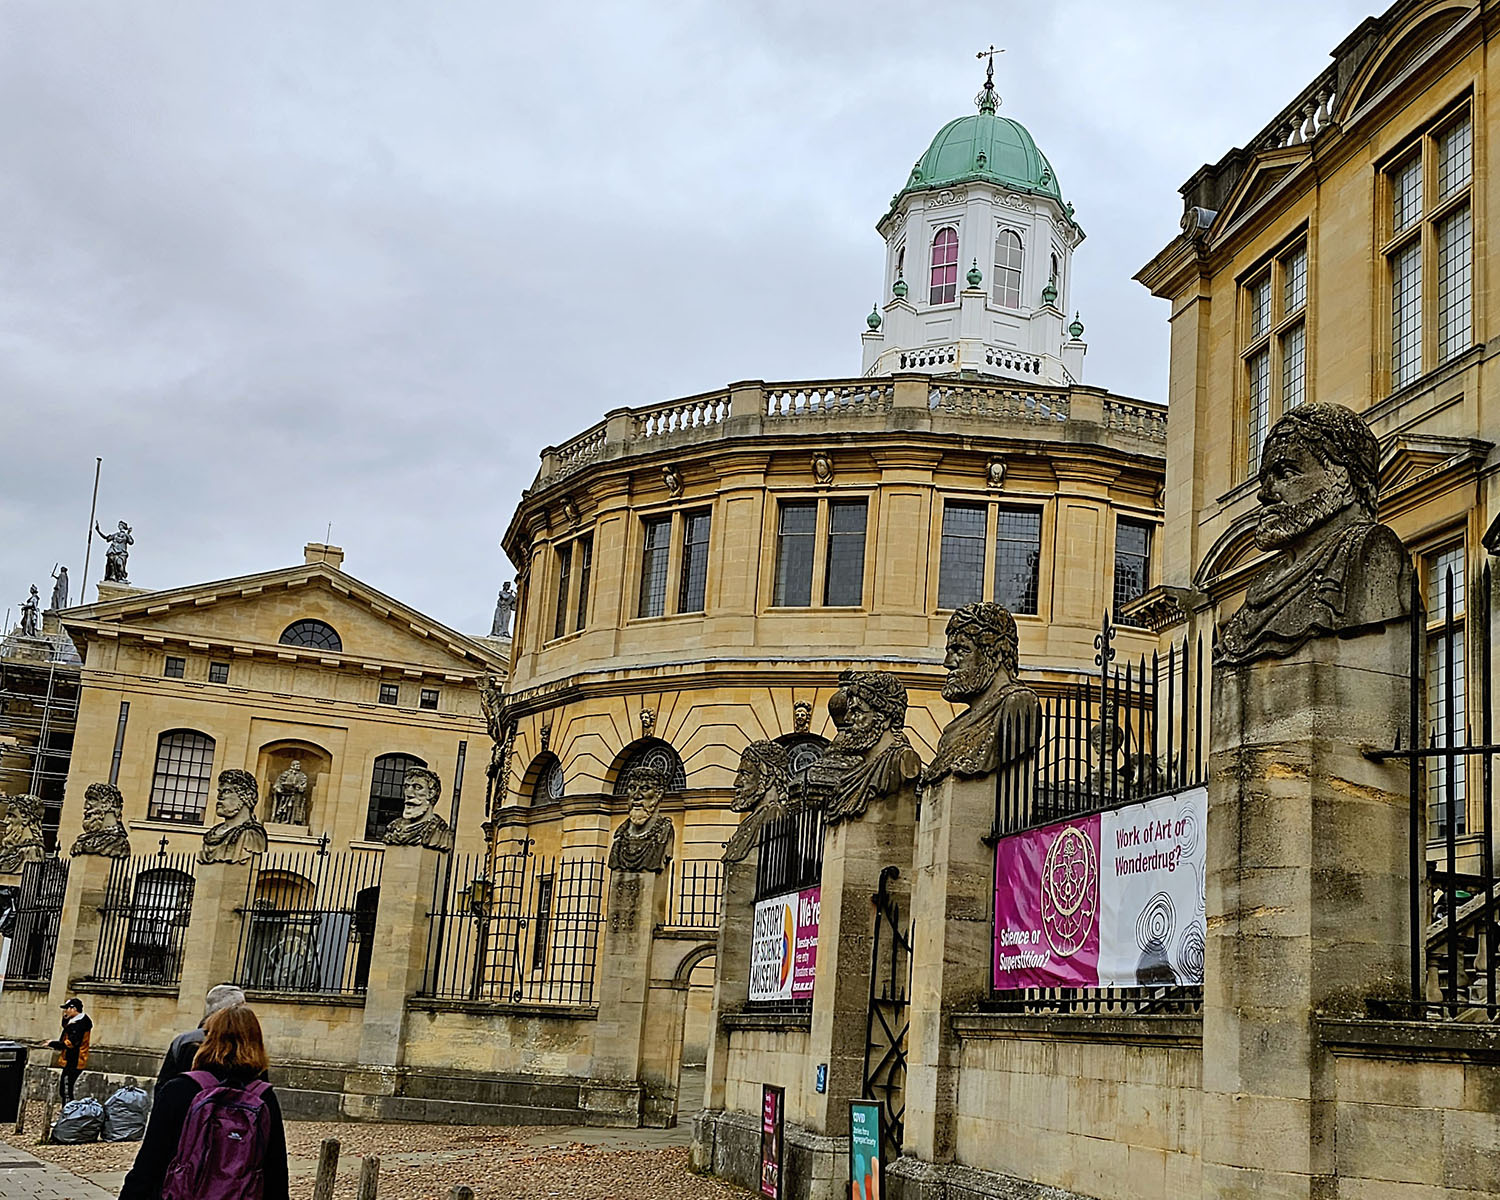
697,892
38,914
144,918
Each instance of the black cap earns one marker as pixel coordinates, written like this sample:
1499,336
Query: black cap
75,1002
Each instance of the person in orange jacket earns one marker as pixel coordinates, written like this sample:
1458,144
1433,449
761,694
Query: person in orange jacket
72,1045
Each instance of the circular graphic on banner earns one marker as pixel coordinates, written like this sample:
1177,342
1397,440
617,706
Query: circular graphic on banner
788,942
1070,892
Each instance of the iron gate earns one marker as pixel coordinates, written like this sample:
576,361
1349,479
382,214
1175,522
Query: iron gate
887,1018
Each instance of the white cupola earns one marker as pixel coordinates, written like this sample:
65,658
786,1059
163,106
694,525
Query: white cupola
979,247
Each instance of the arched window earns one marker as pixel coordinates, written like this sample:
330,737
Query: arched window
802,750
900,263
159,911
317,635
547,780
1008,259
385,792
944,289
657,754
184,768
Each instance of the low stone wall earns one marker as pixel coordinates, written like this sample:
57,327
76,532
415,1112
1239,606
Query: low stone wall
551,1041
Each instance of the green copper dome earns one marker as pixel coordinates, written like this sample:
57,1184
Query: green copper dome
987,147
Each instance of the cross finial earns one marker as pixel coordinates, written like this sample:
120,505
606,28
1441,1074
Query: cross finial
987,99
162,853
323,845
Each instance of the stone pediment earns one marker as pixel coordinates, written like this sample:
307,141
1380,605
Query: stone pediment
1270,168
251,612
1414,465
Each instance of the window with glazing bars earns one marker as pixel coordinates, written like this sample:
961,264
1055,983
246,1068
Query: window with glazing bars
961,559
1008,261
218,672
944,283
175,668
796,532
1445,644
844,577
541,927
585,571
1429,248
390,693
655,546
693,585
1132,561
428,699
180,782
1273,346
387,784
1018,558
564,579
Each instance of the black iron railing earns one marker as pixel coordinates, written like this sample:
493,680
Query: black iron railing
697,891
308,923
790,853
515,929
38,914
144,918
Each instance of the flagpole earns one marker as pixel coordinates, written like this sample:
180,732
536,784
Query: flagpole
83,591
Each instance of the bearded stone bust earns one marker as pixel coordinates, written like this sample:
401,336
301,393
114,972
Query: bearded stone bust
870,756
21,840
103,829
238,835
1336,570
420,824
643,842
1003,722
760,790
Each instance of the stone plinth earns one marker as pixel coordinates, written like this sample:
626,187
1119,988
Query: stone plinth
731,972
1307,898
952,909
210,944
407,875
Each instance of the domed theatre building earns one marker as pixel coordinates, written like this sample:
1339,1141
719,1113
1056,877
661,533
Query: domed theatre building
695,574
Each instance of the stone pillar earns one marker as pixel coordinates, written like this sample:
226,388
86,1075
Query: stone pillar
79,925
952,909
1307,898
211,942
407,875
854,853
637,903
731,971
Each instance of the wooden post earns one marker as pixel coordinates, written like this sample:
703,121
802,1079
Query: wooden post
460,1192
369,1177
328,1169
21,1116
47,1122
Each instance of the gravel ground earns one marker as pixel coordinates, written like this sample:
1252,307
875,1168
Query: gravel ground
421,1162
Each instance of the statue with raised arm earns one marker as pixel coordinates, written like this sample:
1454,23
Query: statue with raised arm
29,609
505,604
238,834
1003,722
420,823
59,589
1336,569
118,553
104,830
289,795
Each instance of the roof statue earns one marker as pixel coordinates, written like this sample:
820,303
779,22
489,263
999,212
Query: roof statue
118,554
59,589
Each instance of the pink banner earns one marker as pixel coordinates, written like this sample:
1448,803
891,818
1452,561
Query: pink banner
805,954
1047,907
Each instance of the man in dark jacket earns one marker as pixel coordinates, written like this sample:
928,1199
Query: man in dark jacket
179,1059
72,1045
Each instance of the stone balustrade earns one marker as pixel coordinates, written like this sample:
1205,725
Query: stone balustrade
1305,117
753,407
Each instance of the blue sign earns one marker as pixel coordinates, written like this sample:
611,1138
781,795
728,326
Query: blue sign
822,1080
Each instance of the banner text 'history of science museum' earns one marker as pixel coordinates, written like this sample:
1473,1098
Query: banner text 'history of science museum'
784,945
1111,899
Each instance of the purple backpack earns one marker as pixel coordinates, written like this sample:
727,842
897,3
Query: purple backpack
222,1150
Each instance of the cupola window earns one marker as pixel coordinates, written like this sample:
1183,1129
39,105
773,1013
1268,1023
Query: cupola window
1008,260
944,289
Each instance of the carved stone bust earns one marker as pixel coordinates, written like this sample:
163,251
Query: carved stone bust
104,830
21,839
289,795
420,824
1336,569
1003,722
870,756
760,791
238,835
643,842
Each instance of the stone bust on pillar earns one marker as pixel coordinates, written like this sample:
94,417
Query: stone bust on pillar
643,842
238,835
103,829
760,791
420,824
21,837
1336,569
870,756
1003,722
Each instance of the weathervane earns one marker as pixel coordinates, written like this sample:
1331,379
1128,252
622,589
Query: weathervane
987,100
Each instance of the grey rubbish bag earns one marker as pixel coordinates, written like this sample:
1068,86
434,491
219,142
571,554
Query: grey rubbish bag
125,1114
79,1121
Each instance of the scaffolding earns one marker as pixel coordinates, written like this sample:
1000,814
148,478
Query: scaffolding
39,683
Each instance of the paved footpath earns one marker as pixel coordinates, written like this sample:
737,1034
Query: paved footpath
25,1177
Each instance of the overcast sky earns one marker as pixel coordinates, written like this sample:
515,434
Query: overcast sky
286,264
